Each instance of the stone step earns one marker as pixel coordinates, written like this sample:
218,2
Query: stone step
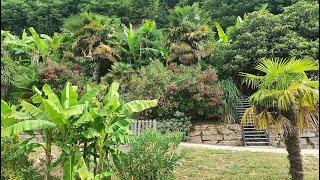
254,135
255,138
253,132
249,128
243,103
256,143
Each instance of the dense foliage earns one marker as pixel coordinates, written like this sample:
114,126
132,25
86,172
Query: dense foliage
151,156
185,53
68,121
14,166
178,123
178,88
264,35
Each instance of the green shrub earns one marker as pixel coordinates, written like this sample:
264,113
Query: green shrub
178,123
291,34
195,92
152,156
15,167
179,88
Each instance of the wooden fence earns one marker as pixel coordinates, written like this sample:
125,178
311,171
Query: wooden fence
141,125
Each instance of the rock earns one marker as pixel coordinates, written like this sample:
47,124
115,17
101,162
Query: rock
230,137
228,132
195,133
217,137
195,139
204,126
209,132
307,134
235,127
207,138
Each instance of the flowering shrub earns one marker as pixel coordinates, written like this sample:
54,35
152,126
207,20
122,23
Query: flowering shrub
57,76
178,88
194,92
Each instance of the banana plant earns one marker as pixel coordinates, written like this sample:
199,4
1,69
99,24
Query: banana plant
224,36
45,45
55,117
110,127
64,121
34,46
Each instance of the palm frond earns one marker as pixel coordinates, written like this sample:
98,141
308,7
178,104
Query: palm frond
251,80
283,123
264,120
249,115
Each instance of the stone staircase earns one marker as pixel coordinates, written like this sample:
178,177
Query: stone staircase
251,136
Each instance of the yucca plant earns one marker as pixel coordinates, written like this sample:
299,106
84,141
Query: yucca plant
285,98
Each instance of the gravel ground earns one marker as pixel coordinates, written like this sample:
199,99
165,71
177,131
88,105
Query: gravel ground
271,149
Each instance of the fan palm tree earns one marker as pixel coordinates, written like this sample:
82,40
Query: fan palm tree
190,35
95,37
285,98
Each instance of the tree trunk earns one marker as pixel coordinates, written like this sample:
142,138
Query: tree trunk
292,142
48,156
95,158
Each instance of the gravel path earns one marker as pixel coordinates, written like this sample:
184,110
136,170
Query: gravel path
307,152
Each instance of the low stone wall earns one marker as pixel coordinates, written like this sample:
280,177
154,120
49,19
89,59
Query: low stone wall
231,134
308,139
220,134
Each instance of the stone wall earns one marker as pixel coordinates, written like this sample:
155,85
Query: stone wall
231,134
220,134
308,139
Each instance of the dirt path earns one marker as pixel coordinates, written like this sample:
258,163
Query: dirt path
306,152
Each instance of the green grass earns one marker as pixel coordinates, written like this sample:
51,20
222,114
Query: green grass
221,164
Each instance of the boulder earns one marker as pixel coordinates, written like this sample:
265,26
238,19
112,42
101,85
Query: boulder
207,138
195,139
217,137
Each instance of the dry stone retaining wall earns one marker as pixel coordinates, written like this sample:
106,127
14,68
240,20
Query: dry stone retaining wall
308,139
231,134
220,134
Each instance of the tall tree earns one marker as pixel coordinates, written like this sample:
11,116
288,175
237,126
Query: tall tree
190,35
285,98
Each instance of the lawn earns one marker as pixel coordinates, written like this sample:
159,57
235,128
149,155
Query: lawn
221,164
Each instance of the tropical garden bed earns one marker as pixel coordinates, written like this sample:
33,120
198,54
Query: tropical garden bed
79,73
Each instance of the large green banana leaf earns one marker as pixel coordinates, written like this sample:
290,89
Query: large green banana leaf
69,95
222,36
34,111
26,125
52,97
137,106
111,100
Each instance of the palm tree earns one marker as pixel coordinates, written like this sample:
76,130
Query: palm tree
285,98
191,38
